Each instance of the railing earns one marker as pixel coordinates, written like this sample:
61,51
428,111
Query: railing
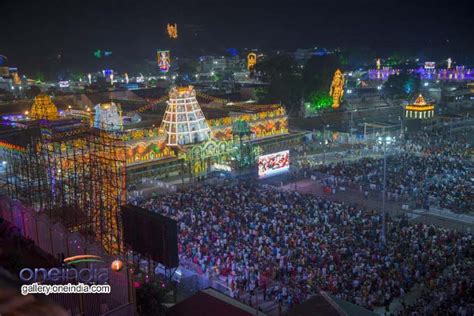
53,238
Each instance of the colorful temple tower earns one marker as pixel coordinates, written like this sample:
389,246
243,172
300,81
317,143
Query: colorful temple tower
183,122
44,108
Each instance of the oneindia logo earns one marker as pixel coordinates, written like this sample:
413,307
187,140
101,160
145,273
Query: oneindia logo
68,273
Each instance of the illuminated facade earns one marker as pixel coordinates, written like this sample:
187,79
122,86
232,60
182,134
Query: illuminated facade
183,122
44,108
145,144
251,61
337,89
420,109
382,74
108,117
163,59
271,121
172,30
457,73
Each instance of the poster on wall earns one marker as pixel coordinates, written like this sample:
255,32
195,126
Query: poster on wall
273,164
164,60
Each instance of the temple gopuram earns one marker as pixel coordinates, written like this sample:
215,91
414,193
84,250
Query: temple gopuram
43,108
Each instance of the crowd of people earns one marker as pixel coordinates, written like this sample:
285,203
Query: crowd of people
427,171
450,293
290,245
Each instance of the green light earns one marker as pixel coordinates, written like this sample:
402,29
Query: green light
318,101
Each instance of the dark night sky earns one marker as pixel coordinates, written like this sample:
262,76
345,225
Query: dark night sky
35,32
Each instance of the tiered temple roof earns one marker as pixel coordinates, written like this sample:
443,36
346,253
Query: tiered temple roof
183,122
44,108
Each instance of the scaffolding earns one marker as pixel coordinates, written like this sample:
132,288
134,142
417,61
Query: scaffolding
74,173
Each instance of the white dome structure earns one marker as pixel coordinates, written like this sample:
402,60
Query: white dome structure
108,116
183,122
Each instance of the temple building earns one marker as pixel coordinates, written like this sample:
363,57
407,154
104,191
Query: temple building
108,116
183,133
418,114
44,108
183,122
419,109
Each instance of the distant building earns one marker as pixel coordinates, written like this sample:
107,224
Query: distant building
459,97
209,64
418,114
302,55
221,64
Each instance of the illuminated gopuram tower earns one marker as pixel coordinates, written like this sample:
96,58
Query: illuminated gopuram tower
183,122
44,108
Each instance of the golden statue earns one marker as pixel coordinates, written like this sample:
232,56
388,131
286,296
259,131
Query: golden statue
337,89
172,30
378,63
44,108
251,61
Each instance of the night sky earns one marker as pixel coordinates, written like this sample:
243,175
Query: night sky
38,34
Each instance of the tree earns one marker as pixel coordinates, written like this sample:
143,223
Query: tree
318,101
32,91
284,82
403,85
187,71
318,73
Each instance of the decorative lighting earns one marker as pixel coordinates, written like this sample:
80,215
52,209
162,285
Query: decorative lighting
163,59
172,30
251,61
337,89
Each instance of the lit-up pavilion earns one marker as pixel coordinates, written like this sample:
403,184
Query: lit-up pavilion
419,109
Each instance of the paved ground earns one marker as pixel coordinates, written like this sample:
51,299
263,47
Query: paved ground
349,195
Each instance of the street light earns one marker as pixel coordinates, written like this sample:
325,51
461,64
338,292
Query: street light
384,141
352,122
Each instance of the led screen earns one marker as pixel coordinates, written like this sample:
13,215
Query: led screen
272,164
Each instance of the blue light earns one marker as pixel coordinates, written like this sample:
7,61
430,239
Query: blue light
232,51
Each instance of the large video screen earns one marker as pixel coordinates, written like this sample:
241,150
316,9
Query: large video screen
273,164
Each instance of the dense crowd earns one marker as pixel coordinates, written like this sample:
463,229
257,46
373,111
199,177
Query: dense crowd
431,176
450,293
290,245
